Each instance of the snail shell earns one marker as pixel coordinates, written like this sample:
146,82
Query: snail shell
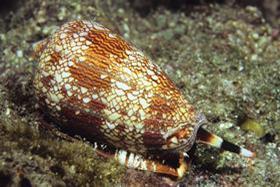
94,82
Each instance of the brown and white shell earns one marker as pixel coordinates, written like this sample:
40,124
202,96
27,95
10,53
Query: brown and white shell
94,82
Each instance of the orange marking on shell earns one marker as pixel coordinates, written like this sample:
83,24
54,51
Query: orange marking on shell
162,105
88,76
55,57
105,45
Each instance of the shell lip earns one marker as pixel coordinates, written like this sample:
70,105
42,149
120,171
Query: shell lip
200,120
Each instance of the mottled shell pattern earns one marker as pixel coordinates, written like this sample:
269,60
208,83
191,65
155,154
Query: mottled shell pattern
96,82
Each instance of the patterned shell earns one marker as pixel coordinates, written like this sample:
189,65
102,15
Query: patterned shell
95,82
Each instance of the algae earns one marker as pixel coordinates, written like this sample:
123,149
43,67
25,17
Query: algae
224,58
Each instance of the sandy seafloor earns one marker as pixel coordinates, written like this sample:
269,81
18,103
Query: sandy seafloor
224,57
